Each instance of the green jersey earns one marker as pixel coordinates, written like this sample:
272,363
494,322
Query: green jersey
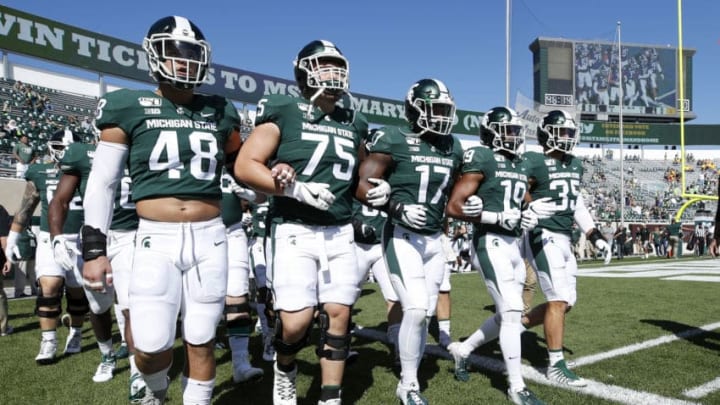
125,216
78,161
45,177
175,151
370,217
24,151
231,204
422,173
322,148
503,187
27,244
259,217
559,180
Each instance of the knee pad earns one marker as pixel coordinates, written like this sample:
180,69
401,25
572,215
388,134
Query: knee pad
339,345
77,306
52,302
238,309
284,348
241,326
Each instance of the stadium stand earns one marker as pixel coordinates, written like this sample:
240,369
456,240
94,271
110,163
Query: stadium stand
652,187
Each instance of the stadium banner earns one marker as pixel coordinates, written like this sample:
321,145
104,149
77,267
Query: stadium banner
35,36
604,132
532,112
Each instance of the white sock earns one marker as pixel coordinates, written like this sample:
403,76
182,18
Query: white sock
510,331
410,342
133,366
197,392
555,355
120,319
157,382
49,335
489,330
106,346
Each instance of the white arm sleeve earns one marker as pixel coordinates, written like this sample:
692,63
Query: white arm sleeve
106,172
582,216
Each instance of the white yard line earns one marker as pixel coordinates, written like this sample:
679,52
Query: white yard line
594,358
597,389
703,390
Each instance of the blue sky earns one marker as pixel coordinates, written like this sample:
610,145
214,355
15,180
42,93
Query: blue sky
391,44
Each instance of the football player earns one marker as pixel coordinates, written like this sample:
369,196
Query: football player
368,224
490,192
556,174
238,321
258,263
75,165
42,182
311,260
420,162
175,143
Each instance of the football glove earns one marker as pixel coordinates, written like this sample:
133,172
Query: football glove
247,219
65,252
529,220
414,215
378,195
363,233
543,208
604,248
506,219
315,195
12,253
243,192
473,206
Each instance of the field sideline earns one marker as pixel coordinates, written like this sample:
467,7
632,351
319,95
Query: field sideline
643,332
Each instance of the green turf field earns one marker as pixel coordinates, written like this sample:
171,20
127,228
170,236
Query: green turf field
635,334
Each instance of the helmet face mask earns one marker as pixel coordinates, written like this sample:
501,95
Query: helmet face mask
558,131
58,143
501,129
321,67
430,107
177,52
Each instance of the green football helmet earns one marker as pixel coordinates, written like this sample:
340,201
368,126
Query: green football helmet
178,40
59,141
501,129
314,77
429,107
557,131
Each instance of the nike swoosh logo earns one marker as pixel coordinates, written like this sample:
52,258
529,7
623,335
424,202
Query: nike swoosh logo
218,243
206,115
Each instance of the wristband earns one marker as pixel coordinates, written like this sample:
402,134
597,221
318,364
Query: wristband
94,243
395,208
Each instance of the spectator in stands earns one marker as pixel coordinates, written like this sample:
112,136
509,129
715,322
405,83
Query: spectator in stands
674,234
24,155
644,237
24,266
715,230
11,129
86,125
5,329
620,237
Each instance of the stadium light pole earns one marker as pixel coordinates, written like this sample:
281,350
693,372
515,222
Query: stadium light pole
620,132
508,7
